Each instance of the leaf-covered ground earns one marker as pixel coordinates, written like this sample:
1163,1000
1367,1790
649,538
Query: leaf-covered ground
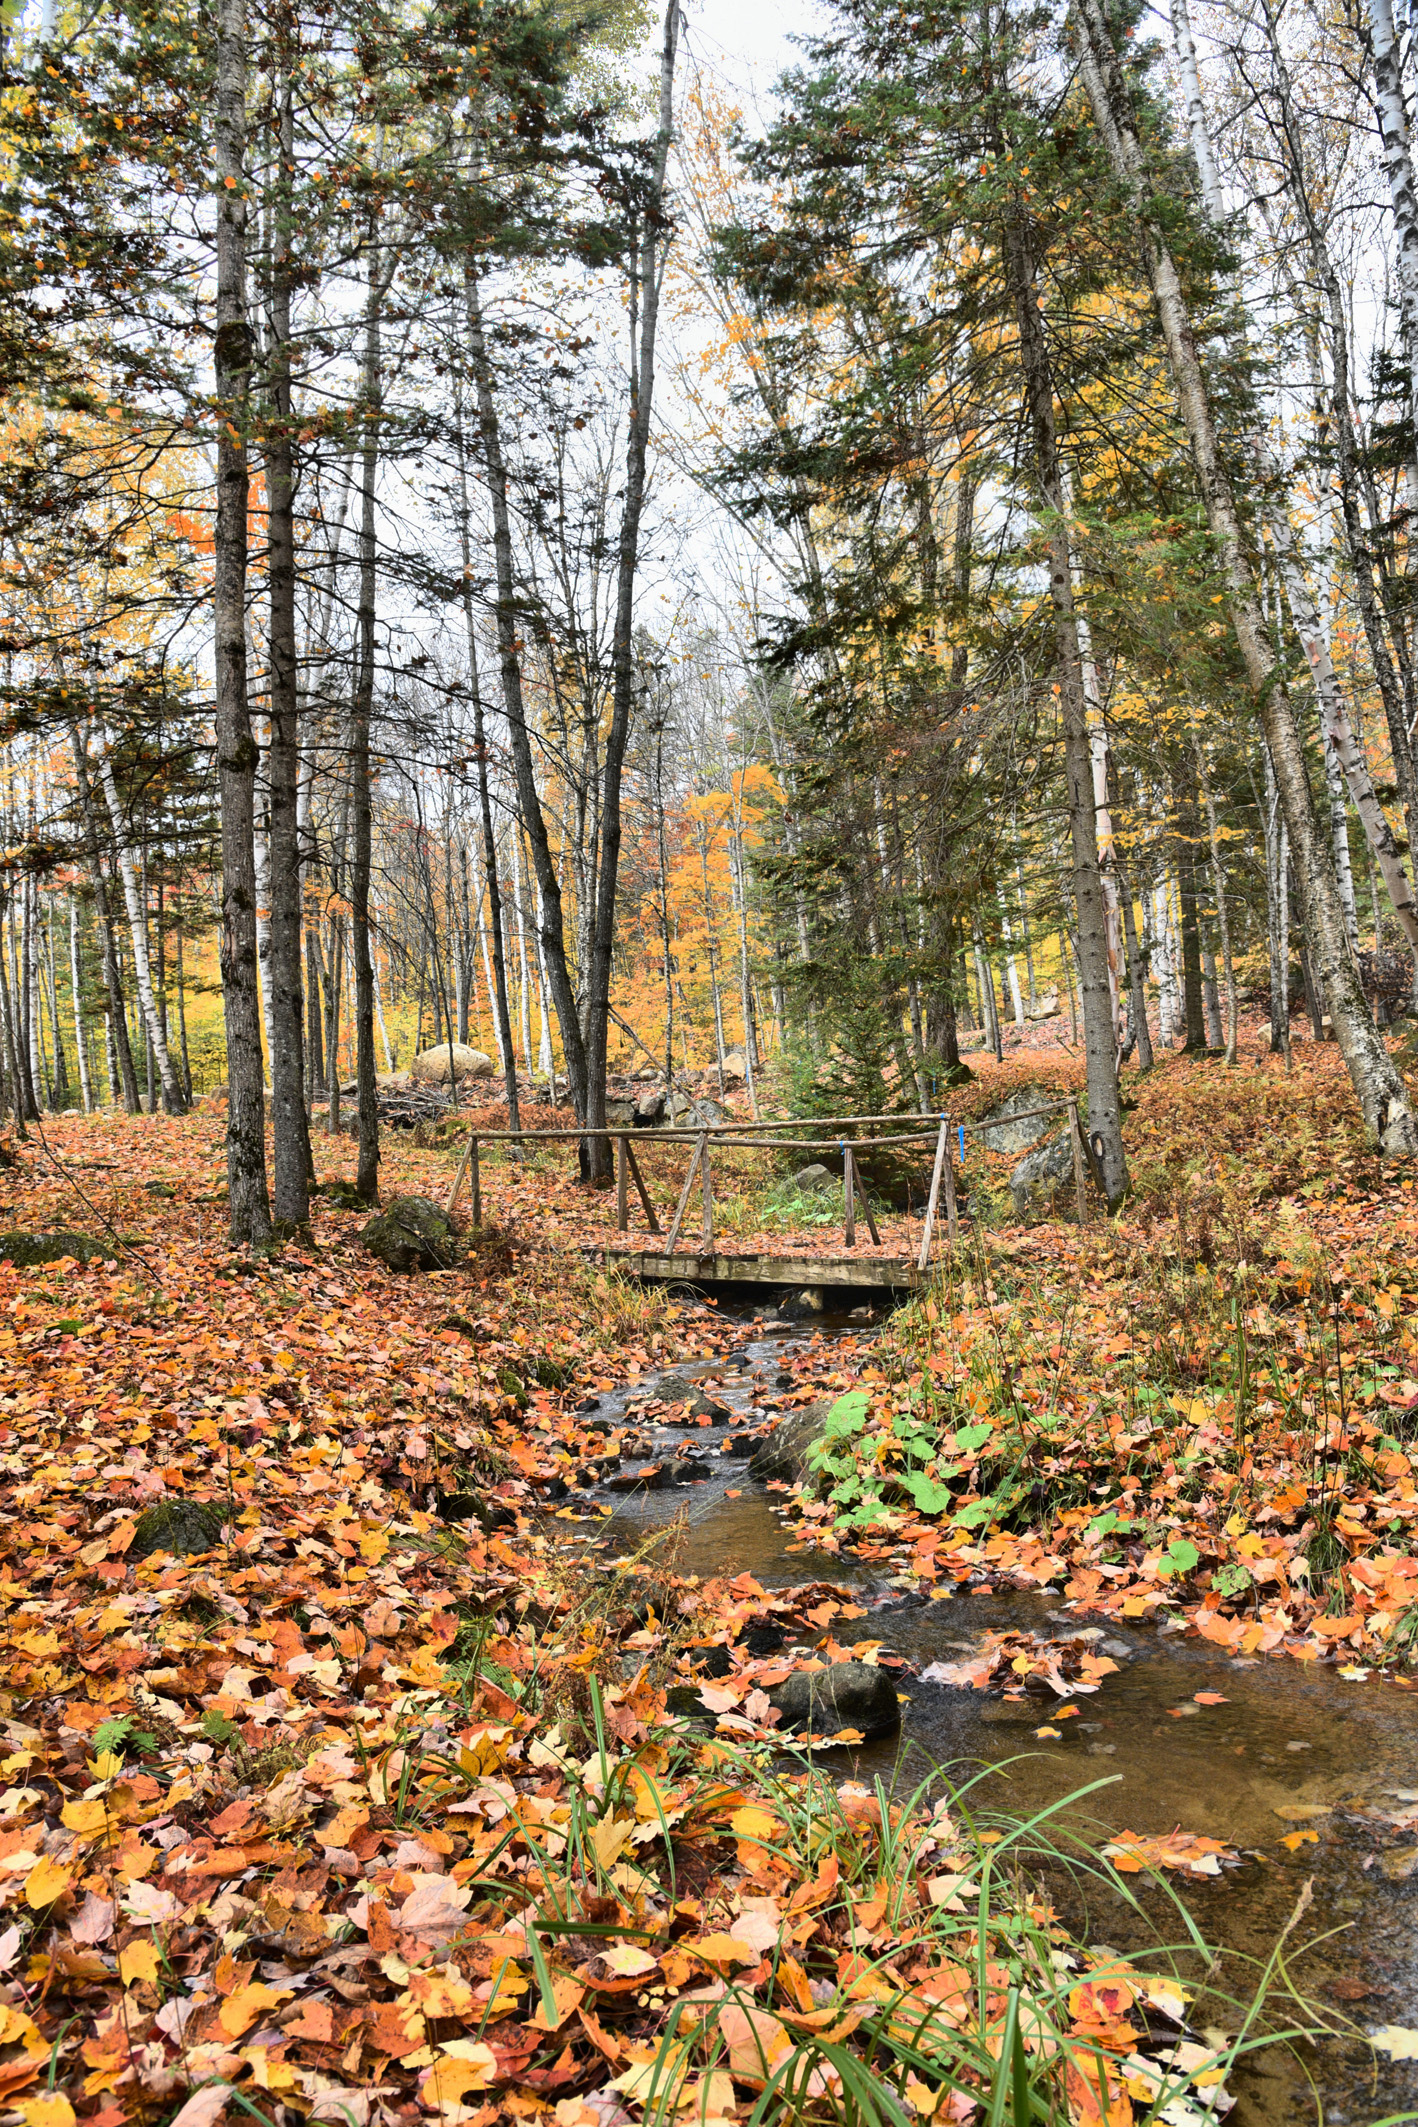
375,1809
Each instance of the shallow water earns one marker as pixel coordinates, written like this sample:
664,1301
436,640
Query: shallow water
1289,1736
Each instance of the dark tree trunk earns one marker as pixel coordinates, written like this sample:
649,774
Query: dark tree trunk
553,930
291,1157
361,823
646,275
249,1202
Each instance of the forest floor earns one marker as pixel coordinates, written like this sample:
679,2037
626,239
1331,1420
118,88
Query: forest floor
373,1813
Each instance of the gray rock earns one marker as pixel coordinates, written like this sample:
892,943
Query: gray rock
1046,1165
847,1695
183,1528
817,1178
26,1249
784,1453
620,1114
673,1388
688,1114
650,1106
1009,1128
811,1300
412,1231
649,1477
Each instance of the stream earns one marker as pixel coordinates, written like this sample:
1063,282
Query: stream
1329,1751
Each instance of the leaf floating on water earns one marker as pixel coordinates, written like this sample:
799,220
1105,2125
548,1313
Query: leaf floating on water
1187,1853
1398,2041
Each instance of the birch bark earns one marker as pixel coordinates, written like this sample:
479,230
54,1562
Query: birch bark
249,1203
1377,1084
172,1095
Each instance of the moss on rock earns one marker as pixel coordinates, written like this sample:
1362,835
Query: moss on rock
184,1528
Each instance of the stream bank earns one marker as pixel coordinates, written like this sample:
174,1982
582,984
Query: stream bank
1250,1752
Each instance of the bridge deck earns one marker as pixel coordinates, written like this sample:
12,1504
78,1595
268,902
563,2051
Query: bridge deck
891,1273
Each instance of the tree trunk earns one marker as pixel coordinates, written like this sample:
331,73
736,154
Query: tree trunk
1095,979
361,821
1137,973
647,274
249,1201
81,1039
290,1134
315,1067
1375,1078
172,1095
1193,1002
505,1039
551,922
1218,888
117,1015
1398,169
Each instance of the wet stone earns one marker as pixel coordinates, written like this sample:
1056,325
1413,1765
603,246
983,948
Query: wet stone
846,1695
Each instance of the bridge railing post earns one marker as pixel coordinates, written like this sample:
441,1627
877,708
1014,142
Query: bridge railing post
942,1159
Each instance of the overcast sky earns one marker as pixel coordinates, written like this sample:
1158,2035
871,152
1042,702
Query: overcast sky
745,42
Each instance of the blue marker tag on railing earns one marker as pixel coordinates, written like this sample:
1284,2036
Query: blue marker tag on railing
962,1143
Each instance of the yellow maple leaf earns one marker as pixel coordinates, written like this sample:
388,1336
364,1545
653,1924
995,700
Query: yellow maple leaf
609,1837
85,1817
46,1881
627,1960
52,2111
242,2007
138,1960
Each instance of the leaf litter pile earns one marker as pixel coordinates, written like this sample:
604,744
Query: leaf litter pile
342,1775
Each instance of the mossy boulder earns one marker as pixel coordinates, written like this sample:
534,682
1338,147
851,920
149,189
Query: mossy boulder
26,1249
785,1453
184,1528
412,1232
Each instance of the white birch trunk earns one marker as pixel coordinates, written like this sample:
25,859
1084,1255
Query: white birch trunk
1377,1083
1398,169
80,1039
138,932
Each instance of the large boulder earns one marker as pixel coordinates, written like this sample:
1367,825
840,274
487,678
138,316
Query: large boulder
24,1250
650,1107
816,1180
1016,1123
412,1231
183,1528
1040,1170
785,1452
846,1695
432,1067
620,1114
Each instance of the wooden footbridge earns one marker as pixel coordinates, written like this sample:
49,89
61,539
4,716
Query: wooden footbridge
704,1263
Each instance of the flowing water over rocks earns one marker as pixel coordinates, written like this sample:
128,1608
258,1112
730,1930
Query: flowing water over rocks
1286,1750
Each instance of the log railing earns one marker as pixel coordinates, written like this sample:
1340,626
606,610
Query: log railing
746,1137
